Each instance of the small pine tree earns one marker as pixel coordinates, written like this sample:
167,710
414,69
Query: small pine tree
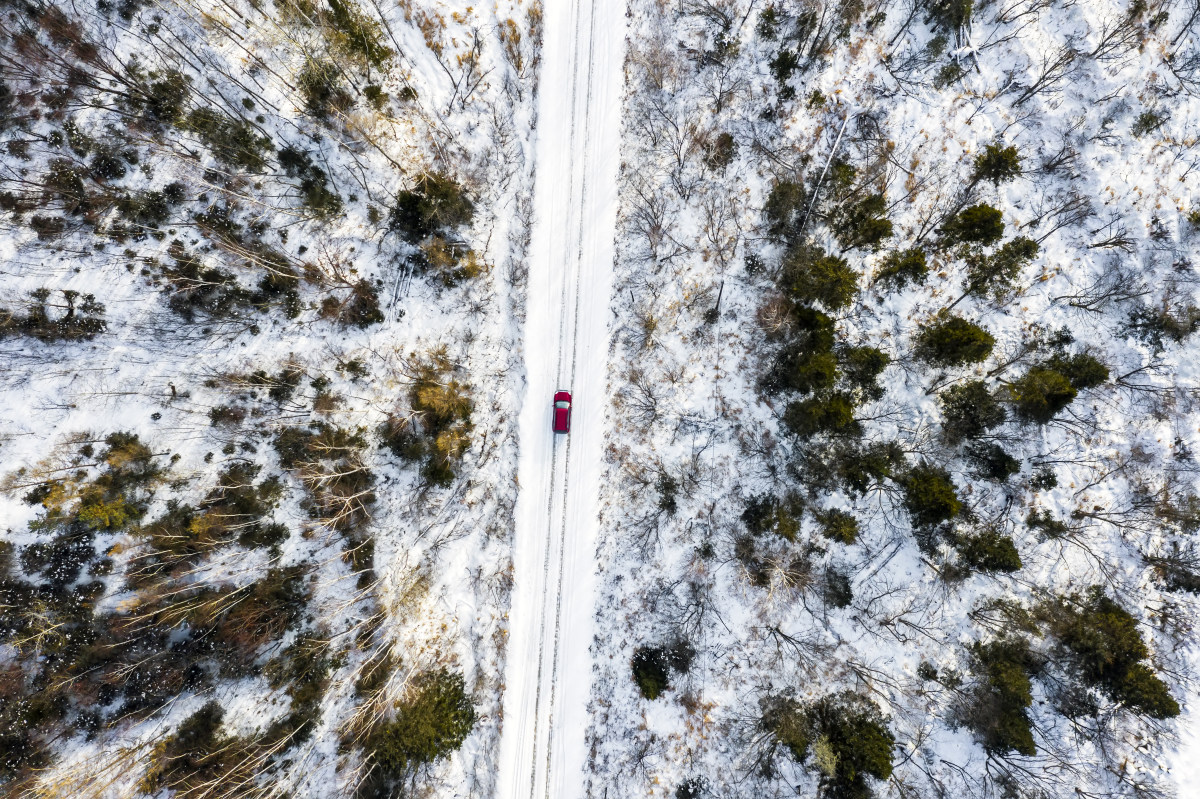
1000,713
953,341
929,496
969,410
1108,651
857,735
860,468
996,273
768,514
783,207
804,368
862,367
1081,370
997,163
838,525
833,414
1041,393
863,223
948,16
810,275
979,224
897,269
989,551
650,671
991,462
431,724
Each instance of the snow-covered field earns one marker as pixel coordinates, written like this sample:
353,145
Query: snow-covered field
281,148
1098,101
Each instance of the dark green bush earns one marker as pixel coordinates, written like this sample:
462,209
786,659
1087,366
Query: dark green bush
856,732
805,362
1040,394
953,341
897,269
948,16
159,96
969,410
147,209
1147,122
810,275
863,223
233,141
989,551
785,207
838,525
802,368
650,671
832,414
64,182
1000,713
1157,325
948,73
992,462
376,96
107,164
997,163
360,36
979,224
861,367
436,204
314,183
783,65
668,492
1108,652
769,514
303,669
996,273
1081,370
929,496
838,591
195,754
429,726
787,721
862,467
1047,524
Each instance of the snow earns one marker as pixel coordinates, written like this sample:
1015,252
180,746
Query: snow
565,347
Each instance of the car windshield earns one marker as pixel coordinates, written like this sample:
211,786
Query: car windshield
562,404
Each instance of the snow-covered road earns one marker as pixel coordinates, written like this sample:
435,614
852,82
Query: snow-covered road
548,677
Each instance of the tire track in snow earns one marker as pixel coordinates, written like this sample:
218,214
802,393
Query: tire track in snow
562,326
542,751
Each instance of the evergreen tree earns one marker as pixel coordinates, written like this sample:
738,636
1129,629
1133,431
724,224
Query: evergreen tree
897,269
929,496
1041,393
953,341
979,224
969,410
997,163
811,275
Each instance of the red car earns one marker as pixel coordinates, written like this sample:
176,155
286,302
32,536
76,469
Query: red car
562,412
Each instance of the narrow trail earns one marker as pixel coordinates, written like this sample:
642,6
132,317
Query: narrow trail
542,748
